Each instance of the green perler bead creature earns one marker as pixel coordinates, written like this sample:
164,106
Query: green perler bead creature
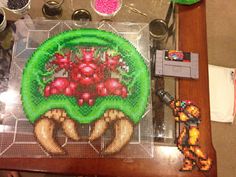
85,76
186,2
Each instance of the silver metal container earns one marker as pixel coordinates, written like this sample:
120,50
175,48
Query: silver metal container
22,11
158,33
3,23
52,9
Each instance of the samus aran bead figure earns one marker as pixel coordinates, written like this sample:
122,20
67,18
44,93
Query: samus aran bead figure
187,113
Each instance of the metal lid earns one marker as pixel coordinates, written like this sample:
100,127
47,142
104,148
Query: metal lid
81,15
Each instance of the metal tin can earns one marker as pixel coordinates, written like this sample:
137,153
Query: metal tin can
159,33
3,22
81,15
52,9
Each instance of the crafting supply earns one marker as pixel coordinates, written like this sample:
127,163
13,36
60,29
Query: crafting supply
186,2
81,15
158,32
3,22
1,18
132,9
13,4
19,7
106,7
52,9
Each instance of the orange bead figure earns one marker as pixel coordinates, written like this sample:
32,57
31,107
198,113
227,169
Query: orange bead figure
188,141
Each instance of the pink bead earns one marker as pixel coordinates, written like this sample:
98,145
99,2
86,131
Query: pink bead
107,6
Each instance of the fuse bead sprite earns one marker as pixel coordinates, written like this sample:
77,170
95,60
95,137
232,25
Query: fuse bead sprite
85,76
188,141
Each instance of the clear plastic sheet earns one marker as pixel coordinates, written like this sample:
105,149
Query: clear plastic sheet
17,138
157,125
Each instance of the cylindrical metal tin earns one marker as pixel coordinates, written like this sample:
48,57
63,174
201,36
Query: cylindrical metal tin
159,33
3,22
52,9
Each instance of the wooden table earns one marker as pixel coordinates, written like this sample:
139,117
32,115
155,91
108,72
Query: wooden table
167,160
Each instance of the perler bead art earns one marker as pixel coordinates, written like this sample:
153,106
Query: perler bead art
188,114
81,77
